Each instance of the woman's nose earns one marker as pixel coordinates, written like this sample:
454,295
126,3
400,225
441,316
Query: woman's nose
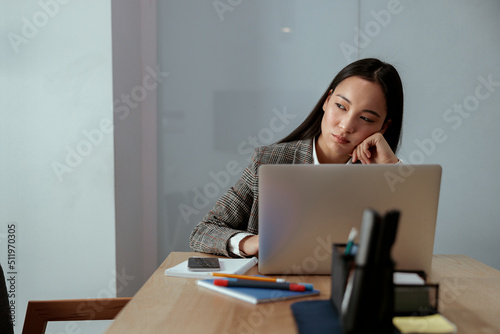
347,124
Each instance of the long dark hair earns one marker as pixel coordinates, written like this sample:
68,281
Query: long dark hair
370,69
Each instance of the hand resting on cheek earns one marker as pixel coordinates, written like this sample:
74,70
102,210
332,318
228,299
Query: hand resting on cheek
374,149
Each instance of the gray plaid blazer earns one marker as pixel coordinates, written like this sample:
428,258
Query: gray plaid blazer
237,210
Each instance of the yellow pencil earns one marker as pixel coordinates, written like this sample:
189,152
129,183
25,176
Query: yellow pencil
253,278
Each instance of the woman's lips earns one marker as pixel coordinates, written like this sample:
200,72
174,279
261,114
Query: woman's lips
340,139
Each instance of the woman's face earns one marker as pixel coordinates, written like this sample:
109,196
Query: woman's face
355,110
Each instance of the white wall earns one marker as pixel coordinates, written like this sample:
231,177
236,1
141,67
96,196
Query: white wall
56,99
231,64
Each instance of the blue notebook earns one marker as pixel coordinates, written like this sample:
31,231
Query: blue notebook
256,295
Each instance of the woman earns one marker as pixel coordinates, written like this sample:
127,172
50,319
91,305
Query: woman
357,120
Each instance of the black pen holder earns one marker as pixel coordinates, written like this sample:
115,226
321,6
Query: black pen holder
369,305
342,264
370,300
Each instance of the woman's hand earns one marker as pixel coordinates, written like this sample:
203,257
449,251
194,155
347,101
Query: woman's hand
374,149
250,245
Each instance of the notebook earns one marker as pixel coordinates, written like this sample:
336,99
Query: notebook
304,209
256,295
227,266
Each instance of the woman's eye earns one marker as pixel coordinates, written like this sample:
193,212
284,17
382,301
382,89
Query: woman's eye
340,106
367,119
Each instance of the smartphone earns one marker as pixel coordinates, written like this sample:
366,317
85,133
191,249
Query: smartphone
203,264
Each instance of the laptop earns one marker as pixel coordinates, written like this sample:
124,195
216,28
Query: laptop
305,209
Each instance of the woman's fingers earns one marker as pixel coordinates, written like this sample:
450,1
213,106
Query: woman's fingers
362,153
374,149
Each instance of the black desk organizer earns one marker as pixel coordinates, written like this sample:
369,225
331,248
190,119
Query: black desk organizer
366,304
408,300
363,296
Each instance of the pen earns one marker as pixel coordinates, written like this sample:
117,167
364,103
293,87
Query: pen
261,284
253,278
350,240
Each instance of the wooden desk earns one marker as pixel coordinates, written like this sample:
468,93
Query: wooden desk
469,297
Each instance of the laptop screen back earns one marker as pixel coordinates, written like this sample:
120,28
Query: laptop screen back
305,209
